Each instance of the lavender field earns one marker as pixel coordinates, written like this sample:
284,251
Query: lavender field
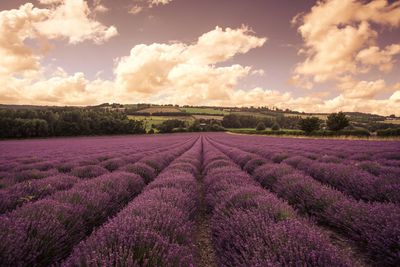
210,199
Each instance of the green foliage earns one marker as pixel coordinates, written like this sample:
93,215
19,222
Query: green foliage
337,121
357,132
45,122
275,127
169,125
231,121
389,132
310,124
260,126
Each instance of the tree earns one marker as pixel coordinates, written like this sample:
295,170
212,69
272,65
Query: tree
275,127
231,121
168,125
260,126
310,124
337,121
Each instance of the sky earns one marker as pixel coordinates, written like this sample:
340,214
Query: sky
312,56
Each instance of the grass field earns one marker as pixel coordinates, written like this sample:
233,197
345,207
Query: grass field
254,114
208,117
159,110
157,120
320,116
392,121
210,111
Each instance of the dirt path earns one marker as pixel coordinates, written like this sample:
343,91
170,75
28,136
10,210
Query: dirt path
348,246
206,255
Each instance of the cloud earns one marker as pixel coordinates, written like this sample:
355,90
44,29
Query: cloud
383,59
16,25
159,2
361,89
60,89
135,9
141,5
71,19
384,107
175,72
182,72
220,45
335,32
62,19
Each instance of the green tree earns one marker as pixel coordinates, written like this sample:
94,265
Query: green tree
231,121
260,126
310,124
275,127
337,121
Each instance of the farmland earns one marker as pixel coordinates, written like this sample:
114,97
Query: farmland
209,199
204,110
148,121
159,110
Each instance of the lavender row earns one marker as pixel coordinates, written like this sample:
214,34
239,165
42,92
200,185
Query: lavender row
32,151
155,229
379,158
41,167
43,232
349,179
252,227
32,190
374,226
39,154
348,150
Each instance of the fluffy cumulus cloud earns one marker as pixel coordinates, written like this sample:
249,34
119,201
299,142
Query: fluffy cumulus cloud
381,58
71,19
15,27
340,44
141,5
175,73
338,38
23,78
187,73
61,19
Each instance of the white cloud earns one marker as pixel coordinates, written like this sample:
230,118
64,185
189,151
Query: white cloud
16,25
71,19
336,31
99,7
141,5
62,19
159,2
135,9
362,89
220,45
176,73
383,59
186,73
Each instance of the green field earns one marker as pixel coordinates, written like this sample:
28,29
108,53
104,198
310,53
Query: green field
157,120
210,111
392,121
159,110
319,116
254,114
208,117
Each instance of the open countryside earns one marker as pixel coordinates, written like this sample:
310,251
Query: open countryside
187,133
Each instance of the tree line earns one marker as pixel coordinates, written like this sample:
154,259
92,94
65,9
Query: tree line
67,121
335,122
